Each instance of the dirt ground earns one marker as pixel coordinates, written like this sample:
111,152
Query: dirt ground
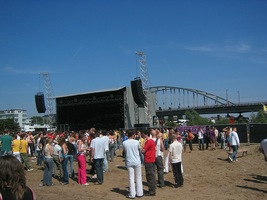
207,175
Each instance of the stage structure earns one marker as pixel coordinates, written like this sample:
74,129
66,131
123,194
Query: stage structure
107,110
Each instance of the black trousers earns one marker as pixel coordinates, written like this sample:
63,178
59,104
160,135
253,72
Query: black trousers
151,177
177,173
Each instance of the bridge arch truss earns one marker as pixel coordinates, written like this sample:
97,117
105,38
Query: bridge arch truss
169,97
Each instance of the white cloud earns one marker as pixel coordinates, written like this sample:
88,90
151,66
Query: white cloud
238,48
20,71
200,48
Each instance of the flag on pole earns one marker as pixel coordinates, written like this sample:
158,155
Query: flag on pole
264,108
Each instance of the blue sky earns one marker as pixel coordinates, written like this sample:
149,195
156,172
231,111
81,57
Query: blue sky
209,45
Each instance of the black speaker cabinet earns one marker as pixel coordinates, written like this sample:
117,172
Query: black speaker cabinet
137,92
40,103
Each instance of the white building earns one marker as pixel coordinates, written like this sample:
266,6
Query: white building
19,116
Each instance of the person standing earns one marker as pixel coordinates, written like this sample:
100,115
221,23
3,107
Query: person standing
149,152
71,154
190,139
112,146
24,153
64,160
39,147
48,163
57,167
81,158
200,134
157,137
16,147
103,136
235,143
212,138
175,158
6,142
98,148
133,164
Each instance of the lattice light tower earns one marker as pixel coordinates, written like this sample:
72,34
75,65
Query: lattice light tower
49,97
145,84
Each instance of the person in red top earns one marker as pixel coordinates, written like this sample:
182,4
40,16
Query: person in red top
149,151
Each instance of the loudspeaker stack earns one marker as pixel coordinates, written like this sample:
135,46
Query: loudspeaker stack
138,93
40,103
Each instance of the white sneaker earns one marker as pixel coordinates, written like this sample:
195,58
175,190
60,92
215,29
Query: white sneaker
30,169
95,176
86,184
230,158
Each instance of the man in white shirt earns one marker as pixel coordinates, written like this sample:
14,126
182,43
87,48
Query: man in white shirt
133,164
175,158
235,143
97,157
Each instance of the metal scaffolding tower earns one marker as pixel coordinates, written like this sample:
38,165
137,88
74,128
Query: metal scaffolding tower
145,84
49,97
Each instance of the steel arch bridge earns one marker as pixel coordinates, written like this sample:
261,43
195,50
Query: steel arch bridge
169,97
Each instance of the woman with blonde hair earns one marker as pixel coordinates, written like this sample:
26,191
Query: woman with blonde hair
48,163
13,181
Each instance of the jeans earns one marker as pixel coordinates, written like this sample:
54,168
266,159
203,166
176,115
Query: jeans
177,173
235,151
151,177
160,170
99,169
201,143
5,153
135,181
166,143
39,157
111,152
70,160
222,143
31,146
48,169
65,170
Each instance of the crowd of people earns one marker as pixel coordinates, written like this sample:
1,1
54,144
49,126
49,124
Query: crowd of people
158,150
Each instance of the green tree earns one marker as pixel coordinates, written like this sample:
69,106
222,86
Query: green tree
195,119
260,117
9,124
37,120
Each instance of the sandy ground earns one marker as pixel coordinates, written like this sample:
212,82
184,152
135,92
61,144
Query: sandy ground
207,175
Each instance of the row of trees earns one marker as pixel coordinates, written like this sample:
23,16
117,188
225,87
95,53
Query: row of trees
193,117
